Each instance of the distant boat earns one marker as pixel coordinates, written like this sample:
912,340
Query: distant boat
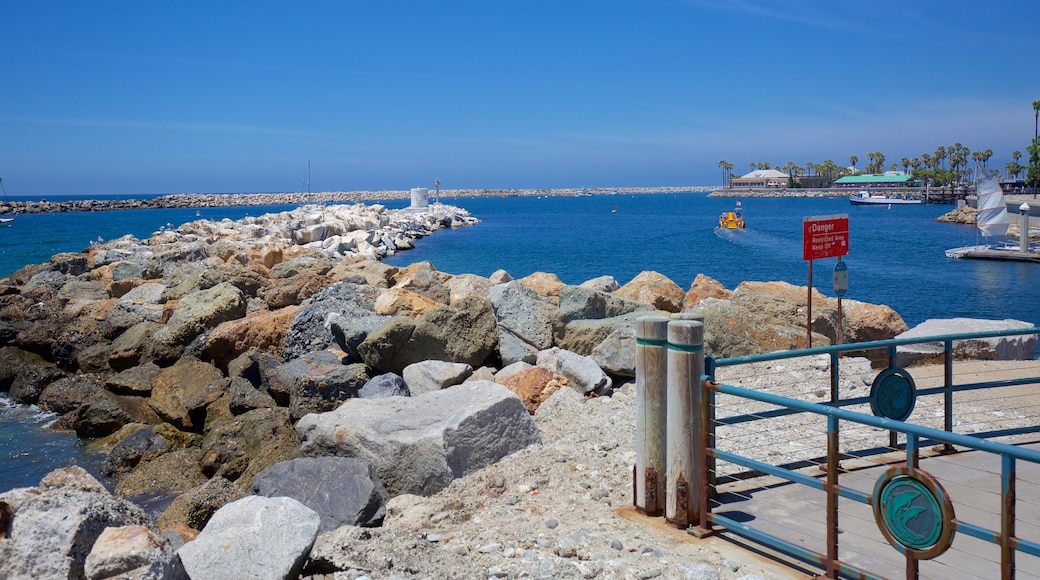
732,220
613,209
7,220
992,220
864,197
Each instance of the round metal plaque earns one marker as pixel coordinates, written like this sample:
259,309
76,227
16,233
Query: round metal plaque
913,512
893,394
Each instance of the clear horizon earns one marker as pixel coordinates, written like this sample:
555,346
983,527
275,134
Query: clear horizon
129,98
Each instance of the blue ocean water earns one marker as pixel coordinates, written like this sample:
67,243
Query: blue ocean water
895,258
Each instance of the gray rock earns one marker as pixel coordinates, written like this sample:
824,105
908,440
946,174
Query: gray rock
83,290
434,375
584,375
605,284
133,552
254,366
342,490
520,311
25,375
244,397
134,381
1019,347
157,265
513,349
70,263
384,385
68,393
616,354
702,571
54,526
510,370
254,537
584,303
419,444
464,332
341,314
141,445
128,350
104,413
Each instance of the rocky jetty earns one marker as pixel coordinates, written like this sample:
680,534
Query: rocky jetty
961,215
200,200
251,372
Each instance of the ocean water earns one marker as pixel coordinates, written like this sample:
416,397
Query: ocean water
895,258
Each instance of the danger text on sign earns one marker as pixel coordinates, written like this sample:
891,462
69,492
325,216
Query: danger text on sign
825,237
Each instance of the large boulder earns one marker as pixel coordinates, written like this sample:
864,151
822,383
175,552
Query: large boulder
53,527
581,372
254,537
196,313
181,393
1016,347
653,289
261,331
464,332
133,552
342,490
418,445
104,413
584,303
534,386
704,287
422,278
464,285
24,375
345,307
243,446
523,316
434,375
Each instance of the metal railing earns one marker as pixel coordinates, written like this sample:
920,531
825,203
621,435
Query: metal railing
723,487
920,465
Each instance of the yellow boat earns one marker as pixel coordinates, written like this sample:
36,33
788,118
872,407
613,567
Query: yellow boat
732,220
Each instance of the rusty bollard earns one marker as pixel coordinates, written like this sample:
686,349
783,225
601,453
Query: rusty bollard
651,396
685,367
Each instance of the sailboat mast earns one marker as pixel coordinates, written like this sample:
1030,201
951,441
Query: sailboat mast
308,176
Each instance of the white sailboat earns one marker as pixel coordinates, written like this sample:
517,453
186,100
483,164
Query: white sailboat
991,218
5,221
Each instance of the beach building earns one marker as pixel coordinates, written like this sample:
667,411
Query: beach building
868,180
761,178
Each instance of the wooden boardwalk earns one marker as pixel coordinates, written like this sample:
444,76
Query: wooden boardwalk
796,514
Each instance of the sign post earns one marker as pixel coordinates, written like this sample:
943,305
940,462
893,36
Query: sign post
824,237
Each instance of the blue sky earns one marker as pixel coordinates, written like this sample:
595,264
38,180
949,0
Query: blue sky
148,97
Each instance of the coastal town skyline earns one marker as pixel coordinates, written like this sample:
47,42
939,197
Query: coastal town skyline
126,98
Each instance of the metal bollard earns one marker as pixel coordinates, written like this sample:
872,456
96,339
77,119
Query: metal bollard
651,396
685,367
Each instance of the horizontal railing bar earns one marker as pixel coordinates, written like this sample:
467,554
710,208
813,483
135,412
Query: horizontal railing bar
871,345
793,550
786,474
882,423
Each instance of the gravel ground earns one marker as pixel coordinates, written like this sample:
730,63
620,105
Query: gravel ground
559,510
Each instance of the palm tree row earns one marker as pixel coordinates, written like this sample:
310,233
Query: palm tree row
928,168
946,165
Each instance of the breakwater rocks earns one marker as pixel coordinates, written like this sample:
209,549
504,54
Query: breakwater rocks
200,200
385,421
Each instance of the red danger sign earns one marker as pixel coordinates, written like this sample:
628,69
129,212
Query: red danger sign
825,236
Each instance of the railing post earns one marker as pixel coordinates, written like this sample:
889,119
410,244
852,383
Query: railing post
651,398
685,367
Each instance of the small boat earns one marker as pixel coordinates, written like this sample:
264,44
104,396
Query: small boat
613,209
7,220
732,220
864,197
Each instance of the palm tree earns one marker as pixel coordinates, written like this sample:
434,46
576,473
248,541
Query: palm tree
905,162
726,166
852,161
1036,118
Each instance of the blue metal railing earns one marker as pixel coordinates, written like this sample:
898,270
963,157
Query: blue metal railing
835,414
